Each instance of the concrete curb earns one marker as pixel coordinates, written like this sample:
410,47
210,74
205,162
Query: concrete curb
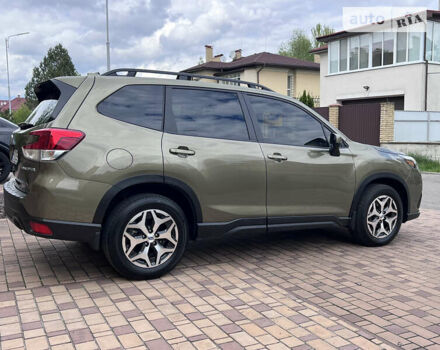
430,173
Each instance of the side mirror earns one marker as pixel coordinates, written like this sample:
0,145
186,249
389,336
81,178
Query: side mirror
335,144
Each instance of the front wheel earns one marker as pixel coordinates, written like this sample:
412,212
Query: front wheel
379,216
145,236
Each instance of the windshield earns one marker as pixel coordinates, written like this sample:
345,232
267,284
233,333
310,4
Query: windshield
42,113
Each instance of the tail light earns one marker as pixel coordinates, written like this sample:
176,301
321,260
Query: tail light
50,144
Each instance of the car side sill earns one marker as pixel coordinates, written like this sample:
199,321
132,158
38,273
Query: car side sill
272,224
216,229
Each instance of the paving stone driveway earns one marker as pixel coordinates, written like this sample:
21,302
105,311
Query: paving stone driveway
303,290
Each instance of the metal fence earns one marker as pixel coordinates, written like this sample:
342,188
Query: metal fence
416,126
323,111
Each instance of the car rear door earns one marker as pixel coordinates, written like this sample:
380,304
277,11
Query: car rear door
210,146
304,182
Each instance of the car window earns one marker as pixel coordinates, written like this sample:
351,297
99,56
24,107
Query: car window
206,113
141,105
327,133
52,96
42,113
283,123
7,124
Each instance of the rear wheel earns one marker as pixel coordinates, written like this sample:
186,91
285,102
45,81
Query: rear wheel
379,215
145,236
5,167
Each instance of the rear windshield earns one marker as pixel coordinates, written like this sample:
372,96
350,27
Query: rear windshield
52,95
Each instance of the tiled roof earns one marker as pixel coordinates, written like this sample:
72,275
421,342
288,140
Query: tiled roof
319,49
257,59
16,103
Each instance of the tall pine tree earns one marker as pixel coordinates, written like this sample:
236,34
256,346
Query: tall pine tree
56,63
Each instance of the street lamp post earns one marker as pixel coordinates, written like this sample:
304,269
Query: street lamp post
108,40
7,66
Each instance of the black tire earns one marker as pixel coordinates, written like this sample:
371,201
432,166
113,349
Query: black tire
362,233
116,223
5,167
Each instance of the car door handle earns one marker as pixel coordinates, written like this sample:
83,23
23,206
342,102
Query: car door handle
182,151
277,157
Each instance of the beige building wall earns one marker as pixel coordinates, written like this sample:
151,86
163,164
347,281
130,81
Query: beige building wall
275,79
307,80
207,72
249,75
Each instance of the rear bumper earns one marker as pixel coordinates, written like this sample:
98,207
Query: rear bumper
65,230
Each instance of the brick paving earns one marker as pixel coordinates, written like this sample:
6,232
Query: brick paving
310,290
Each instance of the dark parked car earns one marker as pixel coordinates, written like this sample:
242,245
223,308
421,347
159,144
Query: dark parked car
6,130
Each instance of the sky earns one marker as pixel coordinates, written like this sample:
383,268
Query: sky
156,34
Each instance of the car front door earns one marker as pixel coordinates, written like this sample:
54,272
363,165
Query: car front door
304,182
207,145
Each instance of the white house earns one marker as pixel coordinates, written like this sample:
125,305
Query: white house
402,67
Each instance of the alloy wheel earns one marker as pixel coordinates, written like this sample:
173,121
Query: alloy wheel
382,216
150,238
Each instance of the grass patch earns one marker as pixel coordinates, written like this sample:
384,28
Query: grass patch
426,164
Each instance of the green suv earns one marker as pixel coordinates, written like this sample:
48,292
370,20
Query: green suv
138,166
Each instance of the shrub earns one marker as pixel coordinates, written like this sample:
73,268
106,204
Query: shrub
20,115
307,99
426,164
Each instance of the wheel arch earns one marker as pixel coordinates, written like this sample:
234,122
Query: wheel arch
390,179
170,187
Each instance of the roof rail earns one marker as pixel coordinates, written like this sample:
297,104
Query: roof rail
131,72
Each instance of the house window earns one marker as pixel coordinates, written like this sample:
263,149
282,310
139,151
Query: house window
290,91
377,49
343,46
388,48
401,46
235,76
334,56
364,51
414,44
433,42
429,42
354,53
382,48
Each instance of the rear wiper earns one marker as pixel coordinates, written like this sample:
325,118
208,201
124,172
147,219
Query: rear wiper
24,126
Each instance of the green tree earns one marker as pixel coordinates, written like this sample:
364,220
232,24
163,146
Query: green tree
56,63
4,114
311,101
320,30
307,99
298,46
20,115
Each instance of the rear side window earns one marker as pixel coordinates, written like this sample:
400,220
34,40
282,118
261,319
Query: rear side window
205,113
141,105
